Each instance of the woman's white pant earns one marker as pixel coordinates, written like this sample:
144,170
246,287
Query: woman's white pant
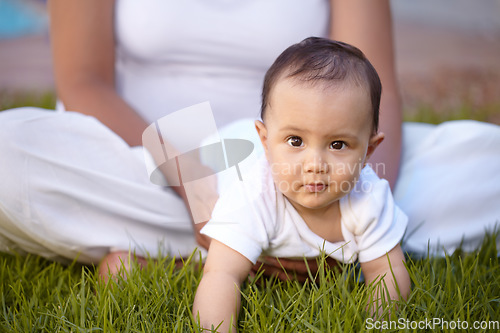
72,188
449,185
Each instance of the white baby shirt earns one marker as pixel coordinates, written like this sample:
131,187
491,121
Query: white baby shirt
253,218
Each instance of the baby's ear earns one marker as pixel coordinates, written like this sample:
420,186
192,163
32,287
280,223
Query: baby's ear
375,140
262,131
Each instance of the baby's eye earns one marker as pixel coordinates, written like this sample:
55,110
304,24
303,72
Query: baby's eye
294,141
338,145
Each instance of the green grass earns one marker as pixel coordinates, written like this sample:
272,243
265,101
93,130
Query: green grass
423,113
10,100
427,114
38,295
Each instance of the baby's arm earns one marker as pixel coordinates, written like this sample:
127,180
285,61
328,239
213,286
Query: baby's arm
391,268
218,296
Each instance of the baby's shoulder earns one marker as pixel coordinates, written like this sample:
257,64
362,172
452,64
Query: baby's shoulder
253,194
366,203
368,188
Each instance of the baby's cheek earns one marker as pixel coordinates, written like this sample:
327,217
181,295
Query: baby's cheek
285,182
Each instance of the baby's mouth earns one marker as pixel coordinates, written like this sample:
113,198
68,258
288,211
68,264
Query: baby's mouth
315,187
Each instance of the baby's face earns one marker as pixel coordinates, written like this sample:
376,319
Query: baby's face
317,141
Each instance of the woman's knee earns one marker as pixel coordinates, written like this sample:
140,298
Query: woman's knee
20,135
16,124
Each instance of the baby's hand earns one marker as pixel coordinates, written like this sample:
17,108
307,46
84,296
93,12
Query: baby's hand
217,300
395,279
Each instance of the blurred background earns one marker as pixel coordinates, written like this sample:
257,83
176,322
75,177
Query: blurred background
447,52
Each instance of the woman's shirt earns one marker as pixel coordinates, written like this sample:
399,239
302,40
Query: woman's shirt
173,54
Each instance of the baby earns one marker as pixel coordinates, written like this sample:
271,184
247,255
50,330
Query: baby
314,191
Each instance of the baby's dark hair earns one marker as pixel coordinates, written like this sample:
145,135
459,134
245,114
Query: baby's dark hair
320,60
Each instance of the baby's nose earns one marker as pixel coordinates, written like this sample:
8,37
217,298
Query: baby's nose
315,163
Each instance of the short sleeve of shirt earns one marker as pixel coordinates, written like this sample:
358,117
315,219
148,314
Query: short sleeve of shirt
244,216
370,214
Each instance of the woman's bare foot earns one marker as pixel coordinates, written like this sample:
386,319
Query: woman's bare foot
116,263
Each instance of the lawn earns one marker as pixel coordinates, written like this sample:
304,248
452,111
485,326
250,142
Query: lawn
43,296
460,291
